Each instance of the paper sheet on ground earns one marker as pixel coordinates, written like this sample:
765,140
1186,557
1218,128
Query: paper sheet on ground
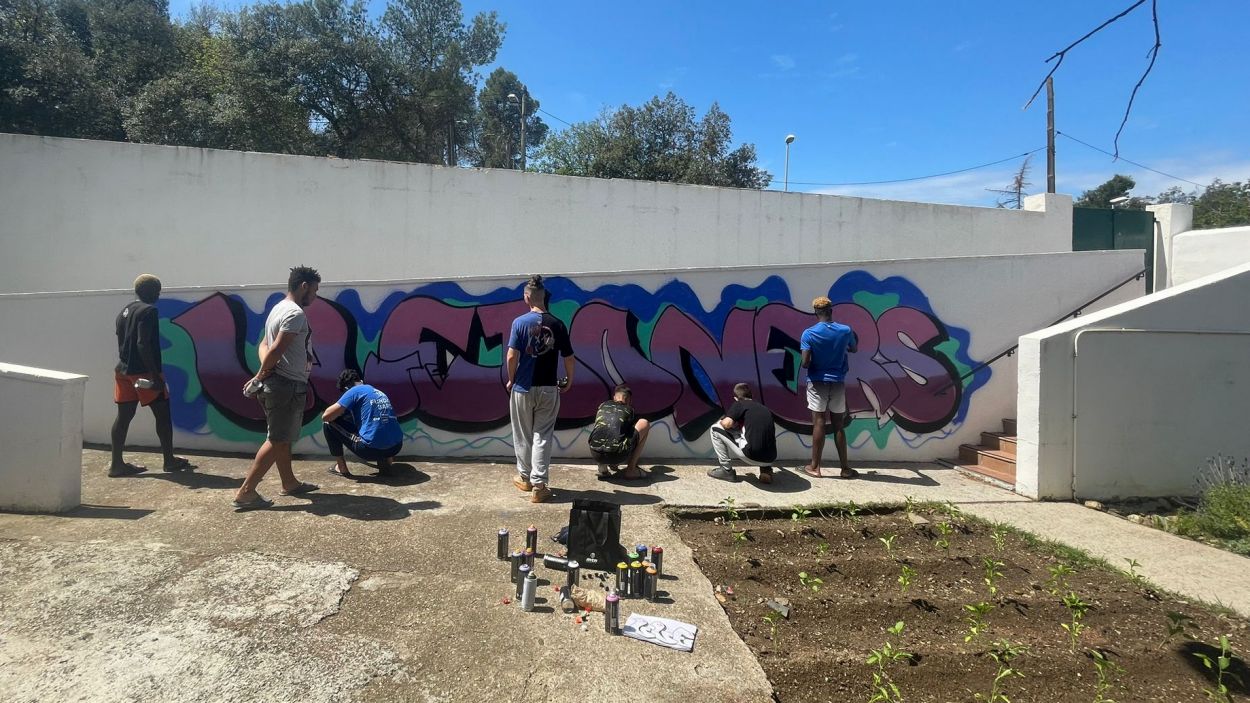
661,631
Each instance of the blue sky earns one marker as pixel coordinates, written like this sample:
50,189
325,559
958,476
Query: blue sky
877,91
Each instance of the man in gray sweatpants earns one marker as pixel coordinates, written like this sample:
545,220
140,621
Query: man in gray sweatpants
536,339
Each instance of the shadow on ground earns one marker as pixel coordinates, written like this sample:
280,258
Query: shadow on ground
356,507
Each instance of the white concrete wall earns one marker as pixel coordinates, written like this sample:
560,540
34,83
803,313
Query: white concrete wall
1202,252
716,316
41,421
90,215
1130,401
1170,220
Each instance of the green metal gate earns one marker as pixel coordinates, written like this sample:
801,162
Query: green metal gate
1095,229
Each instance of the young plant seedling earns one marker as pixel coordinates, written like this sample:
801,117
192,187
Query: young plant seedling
993,572
739,537
799,514
811,582
909,504
953,512
1219,666
1178,624
1003,652
772,618
944,531
1138,579
1076,610
888,541
884,690
852,513
999,535
905,576
977,624
822,548
1106,672
1058,580
731,510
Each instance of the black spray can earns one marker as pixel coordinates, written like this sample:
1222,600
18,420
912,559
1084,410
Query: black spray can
635,579
531,538
612,614
529,558
622,577
528,591
566,601
556,563
520,581
501,546
651,578
574,573
517,560
641,549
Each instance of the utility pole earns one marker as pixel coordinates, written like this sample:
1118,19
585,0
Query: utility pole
521,101
1050,135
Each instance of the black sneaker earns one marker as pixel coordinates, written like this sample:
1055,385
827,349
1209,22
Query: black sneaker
723,474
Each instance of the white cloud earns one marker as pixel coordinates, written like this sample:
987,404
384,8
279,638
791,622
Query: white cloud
1200,168
783,61
958,189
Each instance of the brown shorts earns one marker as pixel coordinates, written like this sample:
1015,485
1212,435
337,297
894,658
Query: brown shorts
124,390
283,403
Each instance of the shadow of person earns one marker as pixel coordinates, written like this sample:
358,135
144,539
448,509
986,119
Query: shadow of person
1238,682
401,474
784,481
109,512
567,495
918,480
195,479
355,507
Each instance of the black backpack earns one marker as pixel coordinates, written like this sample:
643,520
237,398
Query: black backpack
595,534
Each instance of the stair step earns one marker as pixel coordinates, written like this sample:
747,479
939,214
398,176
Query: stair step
1009,426
993,476
999,442
970,454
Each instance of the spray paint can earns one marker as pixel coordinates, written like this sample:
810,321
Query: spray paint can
566,601
528,592
518,559
555,562
657,558
641,549
632,557
612,614
529,558
522,574
501,546
622,577
531,538
574,573
652,582
635,579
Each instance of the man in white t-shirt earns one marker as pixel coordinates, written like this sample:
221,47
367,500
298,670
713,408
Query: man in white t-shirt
285,364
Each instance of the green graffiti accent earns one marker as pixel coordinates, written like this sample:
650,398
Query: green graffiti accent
409,426
222,427
460,303
565,310
875,304
950,348
365,347
880,436
797,359
753,303
488,355
180,354
251,353
646,328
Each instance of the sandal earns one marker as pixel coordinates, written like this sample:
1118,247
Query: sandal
808,470
334,471
849,473
257,503
127,469
178,464
301,489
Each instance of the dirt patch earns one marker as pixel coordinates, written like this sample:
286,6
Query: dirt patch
819,653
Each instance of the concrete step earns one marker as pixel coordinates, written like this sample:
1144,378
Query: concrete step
976,454
999,442
995,477
1009,426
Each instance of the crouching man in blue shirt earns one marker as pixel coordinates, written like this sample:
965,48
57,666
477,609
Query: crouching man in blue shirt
364,421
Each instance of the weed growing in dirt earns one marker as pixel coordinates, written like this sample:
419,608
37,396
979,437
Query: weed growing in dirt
999,535
993,572
909,504
953,512
884,690
1076,612
1003,652
852,513
944,535
822,548
1219,666
811,582
976,619
906,574
888,541
739,536
799,515
1178,624
1138,579
1224,510
731,511
772,618
1058,580
1106,672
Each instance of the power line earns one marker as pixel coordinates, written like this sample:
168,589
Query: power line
554,117
922,178
1139,165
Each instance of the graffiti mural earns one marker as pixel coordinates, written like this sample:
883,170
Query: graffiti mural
438,352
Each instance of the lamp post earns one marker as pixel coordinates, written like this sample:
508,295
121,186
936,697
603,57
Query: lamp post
789,141
513,97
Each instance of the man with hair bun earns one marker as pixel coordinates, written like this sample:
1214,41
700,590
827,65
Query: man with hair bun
138,378
536,341
826,347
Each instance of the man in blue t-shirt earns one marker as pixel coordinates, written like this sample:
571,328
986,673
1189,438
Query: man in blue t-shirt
826,347
364,421
537,339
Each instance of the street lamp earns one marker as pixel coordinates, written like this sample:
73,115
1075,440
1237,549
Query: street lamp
1118,201
789,141
513,98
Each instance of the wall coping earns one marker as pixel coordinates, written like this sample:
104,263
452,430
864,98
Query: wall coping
35,375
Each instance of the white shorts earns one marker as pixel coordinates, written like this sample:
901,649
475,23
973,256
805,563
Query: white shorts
826,396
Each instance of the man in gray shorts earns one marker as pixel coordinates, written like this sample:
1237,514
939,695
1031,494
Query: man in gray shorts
281,386
826,348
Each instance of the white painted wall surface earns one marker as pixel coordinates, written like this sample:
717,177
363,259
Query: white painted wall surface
1156,385
41,422
1171,219
199,217
995,298
1202,252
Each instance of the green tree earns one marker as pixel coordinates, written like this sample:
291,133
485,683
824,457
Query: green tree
660,141
1117,186
1223,205
497,133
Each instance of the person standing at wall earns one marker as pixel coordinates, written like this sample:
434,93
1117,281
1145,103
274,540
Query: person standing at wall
617,437
364,420
138,378
281,385
537,337
826,348
747,433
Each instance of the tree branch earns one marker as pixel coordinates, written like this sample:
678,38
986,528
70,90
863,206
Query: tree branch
1064,51
1153,54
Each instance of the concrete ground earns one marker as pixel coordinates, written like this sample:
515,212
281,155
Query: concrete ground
364,591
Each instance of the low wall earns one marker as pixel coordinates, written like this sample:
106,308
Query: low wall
1202,252
680,338
91,215
41,421
1130,401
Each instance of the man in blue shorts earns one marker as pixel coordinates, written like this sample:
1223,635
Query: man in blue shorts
364,421
826,347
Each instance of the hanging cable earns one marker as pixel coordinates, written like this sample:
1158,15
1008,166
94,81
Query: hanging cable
1139,165
922,178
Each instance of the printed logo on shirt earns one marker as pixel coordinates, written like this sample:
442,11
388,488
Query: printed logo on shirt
541,340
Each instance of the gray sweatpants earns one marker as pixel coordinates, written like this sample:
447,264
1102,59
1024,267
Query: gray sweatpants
533,423
728,449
